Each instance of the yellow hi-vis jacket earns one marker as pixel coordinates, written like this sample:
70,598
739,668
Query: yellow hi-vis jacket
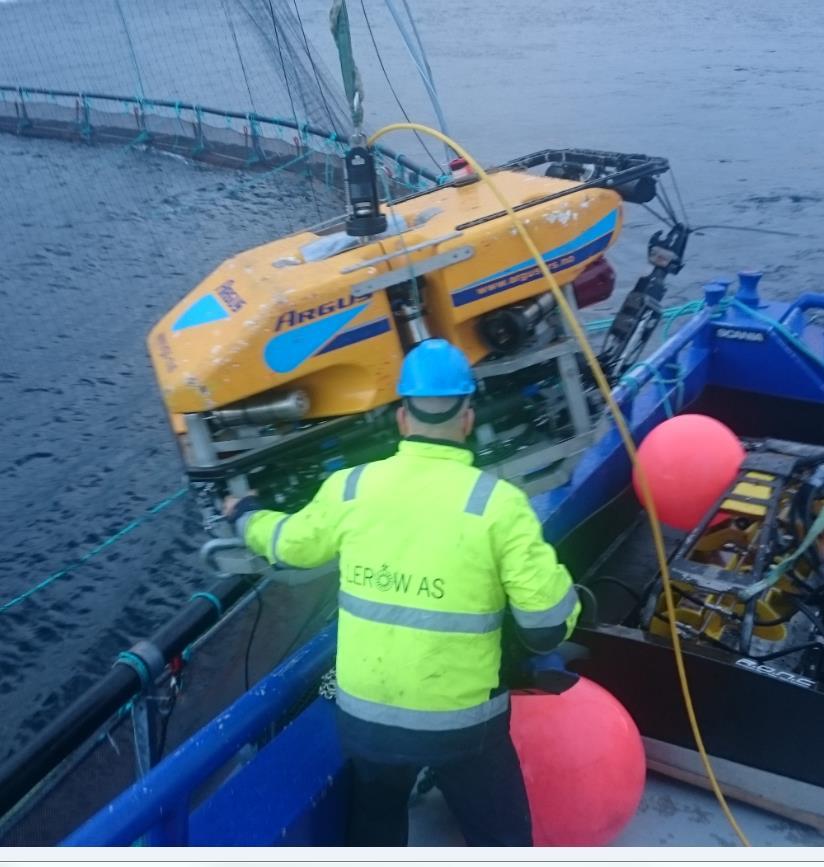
432,550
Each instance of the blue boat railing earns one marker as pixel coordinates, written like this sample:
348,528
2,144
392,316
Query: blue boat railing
158,805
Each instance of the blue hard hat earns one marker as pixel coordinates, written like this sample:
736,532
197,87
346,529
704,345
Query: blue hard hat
436,368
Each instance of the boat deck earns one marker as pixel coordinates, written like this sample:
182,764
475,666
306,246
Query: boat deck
670,814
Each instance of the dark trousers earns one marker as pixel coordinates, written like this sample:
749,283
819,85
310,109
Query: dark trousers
484,791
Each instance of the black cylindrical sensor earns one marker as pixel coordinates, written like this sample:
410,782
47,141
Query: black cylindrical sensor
365,217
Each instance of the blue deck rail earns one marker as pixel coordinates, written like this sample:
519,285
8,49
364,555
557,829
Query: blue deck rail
159,805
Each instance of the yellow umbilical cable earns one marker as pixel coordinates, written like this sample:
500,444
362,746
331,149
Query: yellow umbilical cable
623,429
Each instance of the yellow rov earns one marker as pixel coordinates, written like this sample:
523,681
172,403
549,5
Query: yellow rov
284,360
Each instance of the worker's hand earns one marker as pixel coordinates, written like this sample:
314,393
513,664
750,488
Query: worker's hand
231,501
229,504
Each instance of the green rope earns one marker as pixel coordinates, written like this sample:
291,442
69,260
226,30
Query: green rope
209,597
673,313
327,169
180,124
98,549
669,315
85,125
597,325
143,137
400,174
292,162
337,150
200,144
690,308
787,563
664,383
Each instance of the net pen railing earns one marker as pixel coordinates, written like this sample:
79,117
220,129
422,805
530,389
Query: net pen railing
218,136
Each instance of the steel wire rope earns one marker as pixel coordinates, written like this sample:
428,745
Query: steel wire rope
678,195
752,229
276,32
623,429
301,127
278,45
131,49
663,197
332,127
403,111
655,214
239,54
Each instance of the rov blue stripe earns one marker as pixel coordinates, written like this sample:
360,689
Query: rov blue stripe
606,225
288,350
356,335
528,274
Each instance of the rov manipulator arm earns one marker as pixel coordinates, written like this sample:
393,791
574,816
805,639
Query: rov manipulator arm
635,178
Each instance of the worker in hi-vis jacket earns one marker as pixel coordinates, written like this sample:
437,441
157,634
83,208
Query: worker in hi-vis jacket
432,552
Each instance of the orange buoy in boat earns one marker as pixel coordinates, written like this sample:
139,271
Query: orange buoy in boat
689,461
583,764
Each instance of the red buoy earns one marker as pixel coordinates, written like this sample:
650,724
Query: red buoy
583,764
689,461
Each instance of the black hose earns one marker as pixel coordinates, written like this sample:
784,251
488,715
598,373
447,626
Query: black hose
27,767
592,615
252,631
618,583
808,612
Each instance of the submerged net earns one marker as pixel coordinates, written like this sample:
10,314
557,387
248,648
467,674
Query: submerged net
230,82
250,56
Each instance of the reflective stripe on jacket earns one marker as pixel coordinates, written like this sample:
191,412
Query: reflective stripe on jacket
432,550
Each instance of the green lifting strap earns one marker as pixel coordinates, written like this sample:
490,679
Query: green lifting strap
780,569
339,22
